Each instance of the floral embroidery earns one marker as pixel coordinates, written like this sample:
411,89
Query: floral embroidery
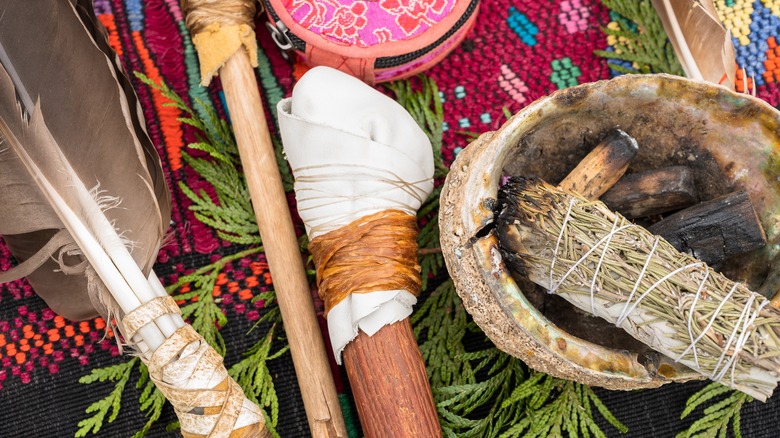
311,13
367,23
410,14
346,22
383,35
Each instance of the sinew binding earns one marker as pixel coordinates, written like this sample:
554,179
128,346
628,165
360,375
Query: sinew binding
362,168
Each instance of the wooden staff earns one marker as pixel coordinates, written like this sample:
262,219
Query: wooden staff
221,31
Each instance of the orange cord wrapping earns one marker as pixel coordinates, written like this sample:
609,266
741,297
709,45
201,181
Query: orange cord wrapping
374,253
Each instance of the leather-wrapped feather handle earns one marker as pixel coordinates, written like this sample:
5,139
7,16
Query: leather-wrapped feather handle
77,158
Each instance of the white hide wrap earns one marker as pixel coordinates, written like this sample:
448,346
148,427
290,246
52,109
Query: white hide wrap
354,152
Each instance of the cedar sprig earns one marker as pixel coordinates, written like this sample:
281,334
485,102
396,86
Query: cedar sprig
420,97
723,411
230,214
440,326
119,373
638,36
569,412
475,410
253,375
202,311
151,400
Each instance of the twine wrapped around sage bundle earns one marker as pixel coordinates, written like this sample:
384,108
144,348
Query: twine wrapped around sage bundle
603,264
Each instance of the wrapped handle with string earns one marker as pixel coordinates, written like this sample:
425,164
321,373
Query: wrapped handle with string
362,168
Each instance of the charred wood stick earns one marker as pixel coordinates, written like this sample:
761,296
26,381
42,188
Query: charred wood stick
714,230
603,166
652,192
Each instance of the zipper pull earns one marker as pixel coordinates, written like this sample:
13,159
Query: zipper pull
279,33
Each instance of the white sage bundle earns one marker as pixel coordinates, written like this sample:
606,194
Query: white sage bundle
603,264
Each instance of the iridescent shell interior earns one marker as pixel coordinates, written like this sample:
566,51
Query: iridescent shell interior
731,141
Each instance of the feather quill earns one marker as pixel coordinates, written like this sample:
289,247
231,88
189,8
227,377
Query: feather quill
77,158
700,41
54,55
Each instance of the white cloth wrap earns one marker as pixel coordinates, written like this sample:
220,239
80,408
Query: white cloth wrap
353,152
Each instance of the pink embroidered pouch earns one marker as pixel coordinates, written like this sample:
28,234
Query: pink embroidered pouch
374,40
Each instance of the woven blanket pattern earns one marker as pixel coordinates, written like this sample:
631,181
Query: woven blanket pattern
517,52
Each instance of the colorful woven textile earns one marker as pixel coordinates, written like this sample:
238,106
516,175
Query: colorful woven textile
517,52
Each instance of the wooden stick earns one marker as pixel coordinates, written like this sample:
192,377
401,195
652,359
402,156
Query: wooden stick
281,248
603,166
390,384
652,192
715,230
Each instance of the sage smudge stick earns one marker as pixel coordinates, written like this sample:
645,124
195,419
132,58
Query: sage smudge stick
676,304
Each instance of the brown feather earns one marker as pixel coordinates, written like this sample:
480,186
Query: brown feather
700,41
63,62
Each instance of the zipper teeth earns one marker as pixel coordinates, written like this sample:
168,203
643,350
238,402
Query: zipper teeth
389,61
394,61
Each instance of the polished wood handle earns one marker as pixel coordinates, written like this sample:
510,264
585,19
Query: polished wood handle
390,384
281,248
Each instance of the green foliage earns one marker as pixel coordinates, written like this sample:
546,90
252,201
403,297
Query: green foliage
569,412
723,411
421,99
151,400
120,374
639,38
440,325
252,374
230,214
204,314
488,393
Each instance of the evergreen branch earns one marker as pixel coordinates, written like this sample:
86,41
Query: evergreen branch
151,400
206,316
231,214
440,324
724,411
424,105
120,374
253,376
637,35
422,100
476,409
569,411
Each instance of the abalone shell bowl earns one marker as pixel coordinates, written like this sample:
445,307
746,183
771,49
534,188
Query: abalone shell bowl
731,141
